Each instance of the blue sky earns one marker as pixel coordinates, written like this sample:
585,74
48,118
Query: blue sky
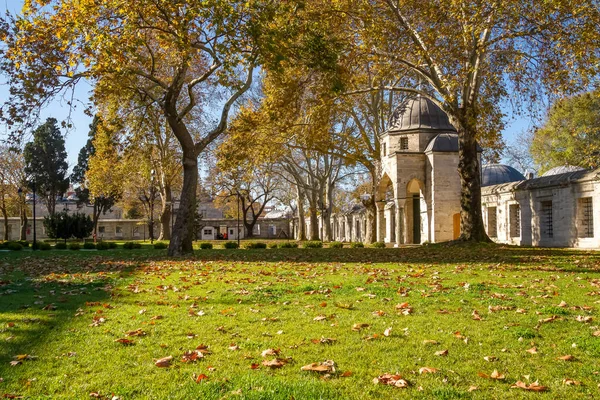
77,135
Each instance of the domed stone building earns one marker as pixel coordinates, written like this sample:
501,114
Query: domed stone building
419,194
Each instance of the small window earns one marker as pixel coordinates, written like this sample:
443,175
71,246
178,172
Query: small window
256,230
515,220
546,219
208,231
101,229
404,143
492,222
119,229
585,218
273,230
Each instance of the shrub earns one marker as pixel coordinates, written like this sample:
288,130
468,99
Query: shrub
160,245
357,245
23,243
206,246
313,244
60,246
44,246
89,246
336,245
103,245
255,245
230,245
3,245
112,245
14,246
273,245
74,246
132,245
288,245
378,245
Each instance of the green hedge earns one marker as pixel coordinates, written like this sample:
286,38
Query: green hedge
313,244
357,245
14,246
60,246
132,245
44,246
206,246
74,246
89,246
230,245
288,245
336,245
160,245
378,245
255,245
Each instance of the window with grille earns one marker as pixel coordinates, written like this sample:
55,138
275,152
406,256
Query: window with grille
546,219
585,216
404,143
515,220
492,222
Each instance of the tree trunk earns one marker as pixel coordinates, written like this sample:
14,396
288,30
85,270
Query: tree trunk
312,211
300,210
23,230
5,217
471,220
165,214
183,231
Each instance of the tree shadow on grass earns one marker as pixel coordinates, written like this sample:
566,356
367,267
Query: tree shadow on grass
38,301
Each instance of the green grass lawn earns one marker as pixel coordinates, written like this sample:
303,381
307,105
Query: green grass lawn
459,311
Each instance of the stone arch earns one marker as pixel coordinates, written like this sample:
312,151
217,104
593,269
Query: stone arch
417,224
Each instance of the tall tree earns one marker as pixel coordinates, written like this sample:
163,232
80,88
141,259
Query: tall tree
570,135
105,174
11,180
46,163
101,202
192,59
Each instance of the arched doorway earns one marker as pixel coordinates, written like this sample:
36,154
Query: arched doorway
416,213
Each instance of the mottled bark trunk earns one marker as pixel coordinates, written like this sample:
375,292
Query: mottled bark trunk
23,227
183,231
165,213
471,220
314,219
371,219
327,215
300,210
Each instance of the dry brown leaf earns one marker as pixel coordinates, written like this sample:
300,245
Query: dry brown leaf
534,387
125,342
164,362
137,332
270,352
490,358
358,327
326,366
391,380
532,350
387,332
199,378
320,318
427,370
494,375
568,357
274,363
441,353
571,382
472,388
584,319
429,341
476,315
233,347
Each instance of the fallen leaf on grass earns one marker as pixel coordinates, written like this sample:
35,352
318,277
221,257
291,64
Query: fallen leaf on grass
233,347
323,340
429,341
584,319
358,327
391,380
191,356
490,358
532,350
387,332
568,357
254,366
476,315
441,353
164,362
137,332
472,388
326,366
571,382
346,374
274,363
270,352
534,387
427,370
125,342
378,313
320,318
494,375
199,378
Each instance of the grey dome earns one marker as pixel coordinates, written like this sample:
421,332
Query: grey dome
495,174
563,169
419,113
445,142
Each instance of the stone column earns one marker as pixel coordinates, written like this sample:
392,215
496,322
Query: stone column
399,222
380,221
